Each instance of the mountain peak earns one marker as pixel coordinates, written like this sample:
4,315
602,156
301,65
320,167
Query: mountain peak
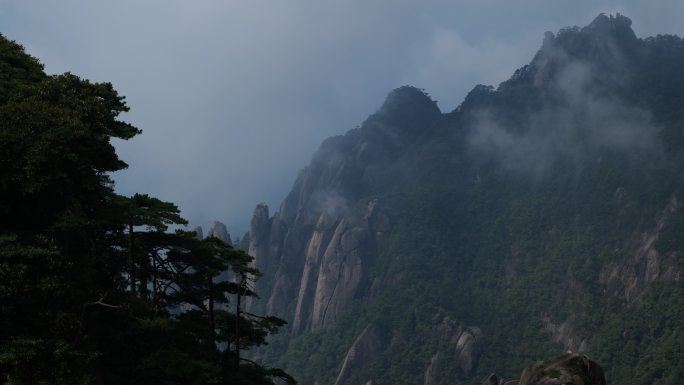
609,23
219,231
607,43
408,110
408,97
618,28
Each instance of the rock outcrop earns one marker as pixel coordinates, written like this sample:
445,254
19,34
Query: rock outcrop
198,232
429,376
320,238
339,274
567,369
491,380
362,353
630,278
565,334
468,349
316,250
219,231
462,351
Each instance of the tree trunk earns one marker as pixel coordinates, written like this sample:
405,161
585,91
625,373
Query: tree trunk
237,324
211,306
131,258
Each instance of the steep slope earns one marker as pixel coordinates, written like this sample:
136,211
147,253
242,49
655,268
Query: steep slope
537,217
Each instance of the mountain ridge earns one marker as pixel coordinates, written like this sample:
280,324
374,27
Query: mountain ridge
421,225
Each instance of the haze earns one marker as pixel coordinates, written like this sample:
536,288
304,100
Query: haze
233,97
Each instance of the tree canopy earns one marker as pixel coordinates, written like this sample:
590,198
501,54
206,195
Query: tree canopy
94,287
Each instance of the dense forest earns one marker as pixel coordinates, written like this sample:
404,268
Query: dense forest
95,287
539,216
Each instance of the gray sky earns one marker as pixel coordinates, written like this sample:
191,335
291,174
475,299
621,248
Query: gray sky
234,96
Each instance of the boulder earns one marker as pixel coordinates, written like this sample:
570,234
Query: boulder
567,369
491,380
468,349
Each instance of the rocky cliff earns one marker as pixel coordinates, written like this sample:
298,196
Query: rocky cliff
219,231
536,217
318,248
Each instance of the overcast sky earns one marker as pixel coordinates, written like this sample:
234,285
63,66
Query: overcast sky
234,96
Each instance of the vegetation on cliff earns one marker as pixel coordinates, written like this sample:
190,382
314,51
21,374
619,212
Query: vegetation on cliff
539,216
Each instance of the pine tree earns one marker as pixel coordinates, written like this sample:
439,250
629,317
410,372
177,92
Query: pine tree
94,286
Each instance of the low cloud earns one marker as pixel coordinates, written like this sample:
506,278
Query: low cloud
235,96
577,123
446,64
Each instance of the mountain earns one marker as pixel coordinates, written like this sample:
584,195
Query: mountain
219,231
540,216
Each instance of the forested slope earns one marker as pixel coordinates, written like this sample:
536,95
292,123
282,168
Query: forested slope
539,216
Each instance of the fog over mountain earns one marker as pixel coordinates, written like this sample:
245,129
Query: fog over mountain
537,217
584,116
234,97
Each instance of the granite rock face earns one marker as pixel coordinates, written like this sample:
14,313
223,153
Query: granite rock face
316,250
468,349
362,353
429,376
219,231
629,278
462,351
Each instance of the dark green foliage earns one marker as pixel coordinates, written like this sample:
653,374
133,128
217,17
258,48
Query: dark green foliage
17,69
642,343
93,286
517,244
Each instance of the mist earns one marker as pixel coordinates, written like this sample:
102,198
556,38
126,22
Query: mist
234,97
577,122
